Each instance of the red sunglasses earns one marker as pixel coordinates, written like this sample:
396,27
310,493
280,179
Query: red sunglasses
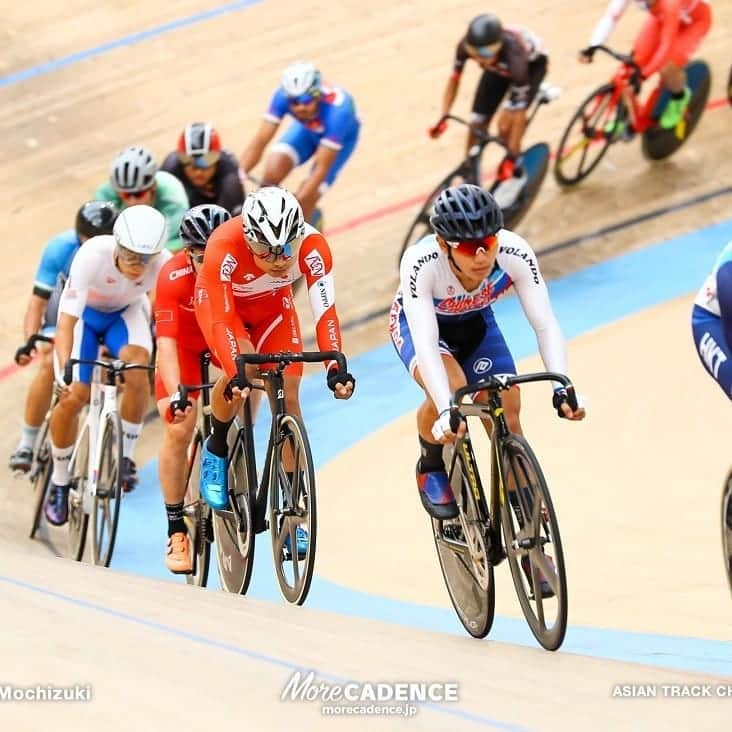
470,247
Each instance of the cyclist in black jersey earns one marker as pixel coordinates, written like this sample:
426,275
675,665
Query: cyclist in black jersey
514,63
208,173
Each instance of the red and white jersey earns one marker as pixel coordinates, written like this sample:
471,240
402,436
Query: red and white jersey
95,281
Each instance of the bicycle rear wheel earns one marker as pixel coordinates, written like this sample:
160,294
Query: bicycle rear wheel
585,141
462,550
727,527
529,532
293,505
197,516
659,143
78,518
536,163
233,529
40,477
420,226
107,502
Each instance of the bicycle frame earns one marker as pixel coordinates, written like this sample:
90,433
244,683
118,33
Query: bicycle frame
640,112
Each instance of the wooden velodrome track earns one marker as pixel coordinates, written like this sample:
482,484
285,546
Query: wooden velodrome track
160,655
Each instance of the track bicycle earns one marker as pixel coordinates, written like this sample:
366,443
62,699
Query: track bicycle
614,112
515,520
291,495
96,462
535,161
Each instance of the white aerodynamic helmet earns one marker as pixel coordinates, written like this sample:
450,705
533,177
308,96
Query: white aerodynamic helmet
272,219
141,229
300,78
133,170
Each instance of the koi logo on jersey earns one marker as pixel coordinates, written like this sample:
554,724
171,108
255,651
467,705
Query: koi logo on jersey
315,264
228,265
415,271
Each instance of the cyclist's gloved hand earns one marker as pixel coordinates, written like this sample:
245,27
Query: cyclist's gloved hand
68,373
177,404
436,130
447,426
568,404
342,384
23,355
235,383
586,54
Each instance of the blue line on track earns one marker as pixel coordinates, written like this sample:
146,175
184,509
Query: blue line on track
50,66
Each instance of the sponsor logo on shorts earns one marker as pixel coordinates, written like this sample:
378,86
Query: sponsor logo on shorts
482,365
228,265
712,354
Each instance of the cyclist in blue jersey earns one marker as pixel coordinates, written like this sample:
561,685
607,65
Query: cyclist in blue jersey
93,218
711,321
325,128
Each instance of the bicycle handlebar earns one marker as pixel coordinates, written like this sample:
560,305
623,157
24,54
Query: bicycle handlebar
624,58
114,368
30,345
185,389
482,135
501,383
286,357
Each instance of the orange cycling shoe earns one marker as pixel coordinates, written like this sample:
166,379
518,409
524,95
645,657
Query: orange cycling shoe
178,557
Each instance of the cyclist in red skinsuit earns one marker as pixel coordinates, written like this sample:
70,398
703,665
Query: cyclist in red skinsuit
180,345
244,303
672,32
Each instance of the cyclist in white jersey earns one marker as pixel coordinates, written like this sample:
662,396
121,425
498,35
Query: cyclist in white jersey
711,321
443,328
105,301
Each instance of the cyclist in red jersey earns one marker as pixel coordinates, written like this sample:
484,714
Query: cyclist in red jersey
244,303
180,345
672,32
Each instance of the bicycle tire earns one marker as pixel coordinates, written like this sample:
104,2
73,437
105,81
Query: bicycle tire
108,500
604,92
518,459
727,527
472,596
235,544
283,521
536,158
659,143
41,477
197,516
78,523
420,226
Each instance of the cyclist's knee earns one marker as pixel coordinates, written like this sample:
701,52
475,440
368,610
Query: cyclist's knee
71,402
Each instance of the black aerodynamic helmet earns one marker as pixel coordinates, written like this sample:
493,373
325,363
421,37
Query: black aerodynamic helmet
199,222
95,218
466,212
484,30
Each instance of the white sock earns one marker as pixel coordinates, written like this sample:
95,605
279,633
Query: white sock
61,460
130,433
28,436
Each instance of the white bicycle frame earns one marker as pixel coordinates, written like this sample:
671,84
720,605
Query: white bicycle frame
102,402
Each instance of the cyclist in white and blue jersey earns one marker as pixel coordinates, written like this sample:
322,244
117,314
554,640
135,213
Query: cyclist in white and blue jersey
711,321
92,219
325,128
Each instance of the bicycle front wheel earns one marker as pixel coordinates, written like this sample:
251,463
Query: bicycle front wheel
107,502
727,527
233,529
40,477
78,517
586,139
197,515
293,508
533,545
462,551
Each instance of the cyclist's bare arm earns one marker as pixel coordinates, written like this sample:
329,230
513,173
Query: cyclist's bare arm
168,363
64,338
253,152
34,315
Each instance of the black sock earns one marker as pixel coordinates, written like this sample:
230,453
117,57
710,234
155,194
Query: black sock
430,460
175,518
216,442
678,94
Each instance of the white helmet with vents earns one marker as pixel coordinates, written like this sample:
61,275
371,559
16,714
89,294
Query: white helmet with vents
141,229
272,219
